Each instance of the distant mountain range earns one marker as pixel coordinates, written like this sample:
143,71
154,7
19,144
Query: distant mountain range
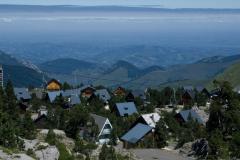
20,74
122,72
126,74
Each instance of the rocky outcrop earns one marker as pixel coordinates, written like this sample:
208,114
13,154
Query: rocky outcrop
42,151
198,148
6,156
49,153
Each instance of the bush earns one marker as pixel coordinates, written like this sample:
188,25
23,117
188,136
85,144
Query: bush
51,137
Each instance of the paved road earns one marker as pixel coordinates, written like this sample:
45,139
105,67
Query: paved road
157,154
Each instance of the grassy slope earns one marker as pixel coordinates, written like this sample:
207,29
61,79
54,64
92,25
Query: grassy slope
231,74
22,76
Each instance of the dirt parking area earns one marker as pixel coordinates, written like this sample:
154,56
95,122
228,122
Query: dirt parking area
157,154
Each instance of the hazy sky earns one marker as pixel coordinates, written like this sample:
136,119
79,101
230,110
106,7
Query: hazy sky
163,3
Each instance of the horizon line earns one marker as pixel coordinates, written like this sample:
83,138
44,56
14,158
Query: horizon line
126,6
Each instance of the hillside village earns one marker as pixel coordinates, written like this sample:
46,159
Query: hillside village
60,121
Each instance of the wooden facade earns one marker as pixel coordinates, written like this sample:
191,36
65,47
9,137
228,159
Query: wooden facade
120,92
88,92
53,85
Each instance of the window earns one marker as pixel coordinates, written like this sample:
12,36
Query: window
107,126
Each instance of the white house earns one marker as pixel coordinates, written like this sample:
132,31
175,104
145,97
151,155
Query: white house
104,127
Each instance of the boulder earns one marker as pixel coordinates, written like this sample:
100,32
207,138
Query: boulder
49,153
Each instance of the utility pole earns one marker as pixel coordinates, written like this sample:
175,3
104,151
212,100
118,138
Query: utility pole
1,76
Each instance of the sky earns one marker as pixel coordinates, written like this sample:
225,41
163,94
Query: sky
160,3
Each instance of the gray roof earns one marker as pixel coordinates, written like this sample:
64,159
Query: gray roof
128,108
139,93
74,99
22,93
199,88
99,120
136,133
70,92
187,88
185,115
103,94
52,95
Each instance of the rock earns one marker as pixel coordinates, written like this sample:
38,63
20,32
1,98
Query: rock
198,148
6,156
30,144
56,131
49,153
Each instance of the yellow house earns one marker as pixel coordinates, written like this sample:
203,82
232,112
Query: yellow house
53,85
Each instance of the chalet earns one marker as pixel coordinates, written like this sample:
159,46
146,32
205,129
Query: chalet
202,90
103,94
188,96
130,97
72,96
186,115
39,93
125,109
139,93
136,134
53,85
150,119
215,93
22,94
40,119
120,92
104,127
188,88
51,96
87,91
41,122
74,100
70,92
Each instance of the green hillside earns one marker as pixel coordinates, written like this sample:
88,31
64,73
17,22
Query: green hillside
66,66
20,75
231,74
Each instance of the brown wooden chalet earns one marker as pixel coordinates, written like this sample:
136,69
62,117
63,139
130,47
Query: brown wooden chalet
53,85
130,97
87,91
120,91
188,97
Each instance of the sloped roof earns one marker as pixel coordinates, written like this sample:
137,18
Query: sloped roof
185,115
103,94
151,119
54,80
191,93
22,93
139,93
85,87
200,88
99,120
136,133
70,92
52,95
128,108
74,99
187,88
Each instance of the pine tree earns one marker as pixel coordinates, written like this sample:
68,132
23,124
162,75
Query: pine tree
11,101
27,127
